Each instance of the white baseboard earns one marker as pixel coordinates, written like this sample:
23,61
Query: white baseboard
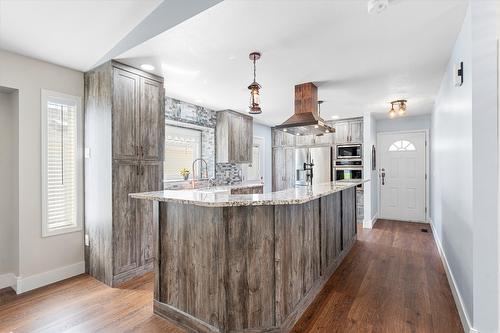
28,283
464,318
8,280
368,224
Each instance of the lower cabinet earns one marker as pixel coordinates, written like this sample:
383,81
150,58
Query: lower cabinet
132,235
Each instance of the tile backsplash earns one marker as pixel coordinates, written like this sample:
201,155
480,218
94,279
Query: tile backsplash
204,119
228,173
189,113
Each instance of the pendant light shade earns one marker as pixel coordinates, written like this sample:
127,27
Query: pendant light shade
254,87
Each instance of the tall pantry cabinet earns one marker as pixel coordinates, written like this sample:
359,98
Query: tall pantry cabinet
124,138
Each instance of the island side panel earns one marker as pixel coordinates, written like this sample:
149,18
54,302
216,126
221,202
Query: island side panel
250,268
191,265
331,220
348,217
297,256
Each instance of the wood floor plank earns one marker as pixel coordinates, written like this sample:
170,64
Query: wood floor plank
391,281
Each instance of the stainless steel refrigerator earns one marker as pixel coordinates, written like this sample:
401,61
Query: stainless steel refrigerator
313,165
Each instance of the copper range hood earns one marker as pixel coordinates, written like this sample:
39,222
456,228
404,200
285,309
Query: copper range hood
306,119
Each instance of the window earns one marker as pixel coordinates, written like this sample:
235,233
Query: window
402,145
182,147
61,163
254,170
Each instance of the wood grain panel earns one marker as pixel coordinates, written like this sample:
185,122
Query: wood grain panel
126,237
125,114
250,267
192,260
150,179
98,173
152,120
297,254
330,233
348,215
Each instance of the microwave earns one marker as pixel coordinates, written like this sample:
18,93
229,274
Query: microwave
349,151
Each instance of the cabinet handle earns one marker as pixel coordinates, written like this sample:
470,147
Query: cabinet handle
138,171
142,151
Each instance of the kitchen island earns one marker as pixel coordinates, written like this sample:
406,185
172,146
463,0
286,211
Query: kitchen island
247,263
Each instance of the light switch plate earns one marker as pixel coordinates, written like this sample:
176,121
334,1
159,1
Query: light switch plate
87,240
458,73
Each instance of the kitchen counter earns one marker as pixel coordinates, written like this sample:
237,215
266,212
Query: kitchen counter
220,196
247,263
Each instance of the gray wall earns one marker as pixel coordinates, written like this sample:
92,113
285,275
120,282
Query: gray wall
9,180
408,123
464,169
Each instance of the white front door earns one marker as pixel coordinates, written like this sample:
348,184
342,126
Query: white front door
402,176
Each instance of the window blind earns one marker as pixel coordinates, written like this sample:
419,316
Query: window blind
61,165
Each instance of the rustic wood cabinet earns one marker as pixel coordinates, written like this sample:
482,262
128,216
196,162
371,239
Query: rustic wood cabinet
234,137
283,165
124,139
258,189
350,131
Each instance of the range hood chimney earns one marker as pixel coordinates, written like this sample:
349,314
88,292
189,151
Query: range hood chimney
306,119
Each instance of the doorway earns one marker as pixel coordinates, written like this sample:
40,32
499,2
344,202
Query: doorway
403,175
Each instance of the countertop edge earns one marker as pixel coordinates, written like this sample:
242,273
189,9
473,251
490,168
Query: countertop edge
242,200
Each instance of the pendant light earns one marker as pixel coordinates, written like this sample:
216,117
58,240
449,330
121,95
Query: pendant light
254,87
392,112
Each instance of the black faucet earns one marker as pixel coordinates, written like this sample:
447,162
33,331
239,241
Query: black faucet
309,175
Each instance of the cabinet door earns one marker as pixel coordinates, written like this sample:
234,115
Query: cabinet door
356,131
279,167
151,120
125,233
150,179
125,114
246,140
234,138
341,132
281,138
290,167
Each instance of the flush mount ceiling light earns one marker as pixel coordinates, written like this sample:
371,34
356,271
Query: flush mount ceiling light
254,87
401,108
377,6
148,67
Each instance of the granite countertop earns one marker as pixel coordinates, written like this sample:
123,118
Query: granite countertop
220,196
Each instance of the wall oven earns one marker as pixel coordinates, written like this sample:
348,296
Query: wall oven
348,173
353,151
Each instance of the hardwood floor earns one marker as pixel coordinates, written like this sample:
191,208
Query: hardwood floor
391,281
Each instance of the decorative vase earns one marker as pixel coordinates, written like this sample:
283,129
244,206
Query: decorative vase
186,177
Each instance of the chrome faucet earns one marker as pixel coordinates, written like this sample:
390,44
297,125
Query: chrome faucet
201,170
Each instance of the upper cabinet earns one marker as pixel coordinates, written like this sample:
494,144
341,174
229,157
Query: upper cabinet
234,137
138,116
350,131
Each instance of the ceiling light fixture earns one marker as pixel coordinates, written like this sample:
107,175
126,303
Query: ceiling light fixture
254,87
335,117
401,106
148,67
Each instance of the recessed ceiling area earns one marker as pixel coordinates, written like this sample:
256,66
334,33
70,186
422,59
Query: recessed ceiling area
75,34
359,61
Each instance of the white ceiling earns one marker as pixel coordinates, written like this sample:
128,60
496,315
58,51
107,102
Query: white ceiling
71,33
359,61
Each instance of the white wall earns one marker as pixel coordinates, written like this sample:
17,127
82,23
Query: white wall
370,192
265,132
36,254
464,171
9,238
407,123
485,164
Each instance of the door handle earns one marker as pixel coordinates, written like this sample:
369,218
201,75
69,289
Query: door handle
383,176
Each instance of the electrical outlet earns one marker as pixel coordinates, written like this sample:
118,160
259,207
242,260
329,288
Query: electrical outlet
458,74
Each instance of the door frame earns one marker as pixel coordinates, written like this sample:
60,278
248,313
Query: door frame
427,169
